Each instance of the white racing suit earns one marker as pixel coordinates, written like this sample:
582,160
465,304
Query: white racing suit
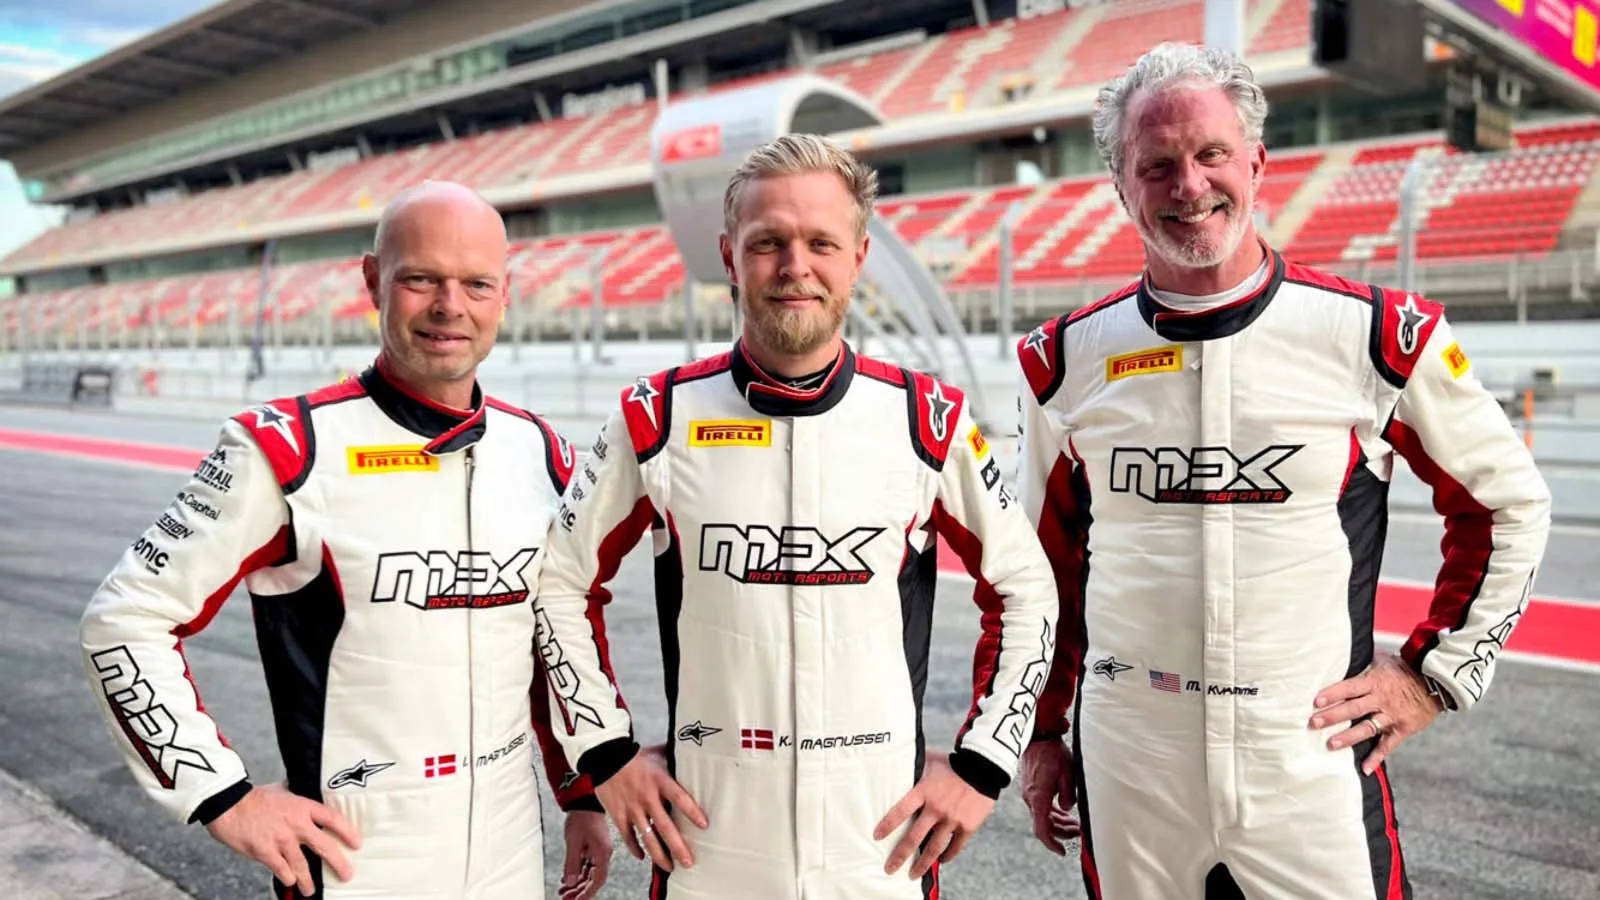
1211,489
390,547
794,575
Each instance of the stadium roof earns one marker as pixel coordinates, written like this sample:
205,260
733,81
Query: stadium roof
215,43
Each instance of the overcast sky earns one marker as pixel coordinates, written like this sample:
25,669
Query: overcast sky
42,38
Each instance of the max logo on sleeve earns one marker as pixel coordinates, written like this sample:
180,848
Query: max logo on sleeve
149,726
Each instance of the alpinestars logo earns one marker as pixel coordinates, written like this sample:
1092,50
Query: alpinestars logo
441,580
1110,668
1411,322
1035,341
642,394
938,409
1016,725
1201,475
356,775
149,726
761,554
277,420
697,732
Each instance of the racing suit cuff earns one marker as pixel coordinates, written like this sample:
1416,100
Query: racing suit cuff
586,803
1047,734
602,761
982,775
1440,693
220,802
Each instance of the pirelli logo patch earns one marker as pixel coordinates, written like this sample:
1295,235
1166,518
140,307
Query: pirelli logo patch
980,447
730,433
1456,360
1145,362
390,458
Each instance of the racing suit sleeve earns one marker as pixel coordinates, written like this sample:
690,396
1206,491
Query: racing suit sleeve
1054,496
573,790
229,520
1496,508
977,515
598,523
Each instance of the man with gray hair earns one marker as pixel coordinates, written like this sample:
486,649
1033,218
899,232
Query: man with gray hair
794,490
1206,455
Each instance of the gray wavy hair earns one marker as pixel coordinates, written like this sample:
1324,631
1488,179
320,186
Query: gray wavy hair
1169,64
795,154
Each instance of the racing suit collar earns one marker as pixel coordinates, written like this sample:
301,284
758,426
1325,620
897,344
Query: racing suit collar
447,429
770,396
1220,322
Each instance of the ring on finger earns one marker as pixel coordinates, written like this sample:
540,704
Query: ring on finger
1377,727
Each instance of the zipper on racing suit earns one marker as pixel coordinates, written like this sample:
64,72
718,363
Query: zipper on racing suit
472,725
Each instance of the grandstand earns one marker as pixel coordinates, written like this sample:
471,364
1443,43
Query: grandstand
189,224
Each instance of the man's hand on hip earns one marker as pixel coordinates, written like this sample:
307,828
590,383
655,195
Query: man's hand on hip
948,812
588,859
637,797
270,825
1388,701
1048,790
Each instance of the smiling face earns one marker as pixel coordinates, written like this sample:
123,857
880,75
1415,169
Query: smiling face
439,281
1189,179
795,256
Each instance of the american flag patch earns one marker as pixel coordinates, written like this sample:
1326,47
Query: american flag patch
755,738
1166,681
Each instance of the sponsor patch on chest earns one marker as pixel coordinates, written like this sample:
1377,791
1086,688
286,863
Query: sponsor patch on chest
390,458
730,433
1145,362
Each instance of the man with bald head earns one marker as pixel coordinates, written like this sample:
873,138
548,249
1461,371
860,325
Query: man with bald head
386,529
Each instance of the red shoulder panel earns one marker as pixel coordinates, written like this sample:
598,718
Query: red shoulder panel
333,393
1105,301
700,368
281,434
1408,322
505,407
1038,352
644,408
558,453
1306,275
880,370
937,407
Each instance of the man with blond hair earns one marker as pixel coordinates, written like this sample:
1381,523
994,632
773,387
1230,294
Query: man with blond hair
1206,453
386,529
794,490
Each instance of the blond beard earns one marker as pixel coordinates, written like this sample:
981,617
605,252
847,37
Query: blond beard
795,332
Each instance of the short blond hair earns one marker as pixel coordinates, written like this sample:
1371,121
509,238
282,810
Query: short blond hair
796,154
